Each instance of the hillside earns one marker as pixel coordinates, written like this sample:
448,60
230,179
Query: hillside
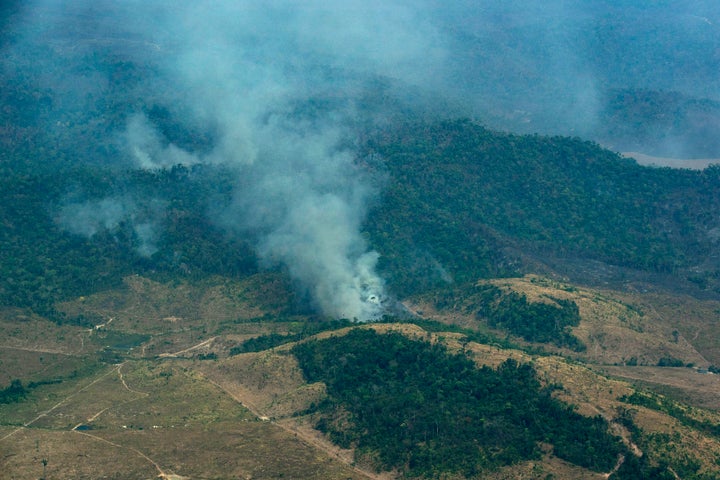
103,341
610,327
161,378
351,240
459,202
467,202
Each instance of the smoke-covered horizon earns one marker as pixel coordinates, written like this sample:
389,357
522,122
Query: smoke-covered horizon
533,66
276,92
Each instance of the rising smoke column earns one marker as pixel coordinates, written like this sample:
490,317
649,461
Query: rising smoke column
304,200
278,85
255,76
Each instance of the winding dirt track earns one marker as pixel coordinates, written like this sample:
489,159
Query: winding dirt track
161,473
114,369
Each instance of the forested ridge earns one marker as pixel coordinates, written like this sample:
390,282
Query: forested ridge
44,263
459,202
465,202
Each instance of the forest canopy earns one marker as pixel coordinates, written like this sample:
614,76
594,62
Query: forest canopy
411,405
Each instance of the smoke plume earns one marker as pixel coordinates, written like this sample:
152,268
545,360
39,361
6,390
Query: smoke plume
276,86
88,218
279,88
280,103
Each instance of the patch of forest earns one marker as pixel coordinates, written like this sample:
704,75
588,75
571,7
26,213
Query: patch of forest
413,406
545,322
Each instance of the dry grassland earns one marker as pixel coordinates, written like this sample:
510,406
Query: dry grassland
160,411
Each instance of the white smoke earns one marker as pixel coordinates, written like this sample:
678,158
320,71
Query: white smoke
278,85
147,236
148,149
305,204
251,74
301,196
91,217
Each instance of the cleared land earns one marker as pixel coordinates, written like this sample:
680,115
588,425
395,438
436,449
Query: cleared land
156,392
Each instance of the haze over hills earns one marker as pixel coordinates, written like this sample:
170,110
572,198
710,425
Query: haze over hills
202,205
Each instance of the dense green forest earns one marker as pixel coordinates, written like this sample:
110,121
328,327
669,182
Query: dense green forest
460,202
467,202
43,263
411,405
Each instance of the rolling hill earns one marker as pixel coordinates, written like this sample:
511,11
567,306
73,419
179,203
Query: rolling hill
192,198
163,376
609,333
